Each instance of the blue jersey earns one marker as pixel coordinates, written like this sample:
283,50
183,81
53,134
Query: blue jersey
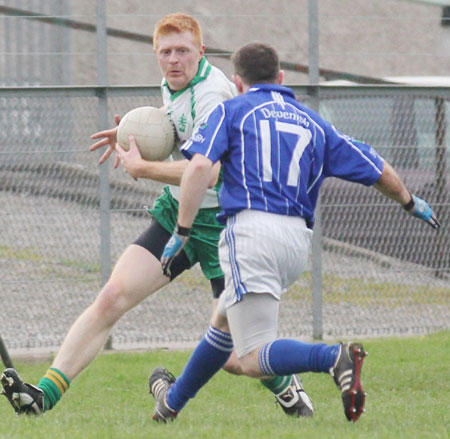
276,152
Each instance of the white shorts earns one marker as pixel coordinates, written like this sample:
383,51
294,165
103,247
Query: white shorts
261,252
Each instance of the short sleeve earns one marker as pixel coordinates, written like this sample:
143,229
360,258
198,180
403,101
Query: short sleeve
351,159
211,138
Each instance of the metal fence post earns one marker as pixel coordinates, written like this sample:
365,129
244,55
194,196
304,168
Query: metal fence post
440,180
104,187
316,247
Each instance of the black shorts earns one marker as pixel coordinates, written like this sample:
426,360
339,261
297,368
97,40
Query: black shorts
155,238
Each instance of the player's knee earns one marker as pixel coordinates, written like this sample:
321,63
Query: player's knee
249,365
110,304
233,365
251,370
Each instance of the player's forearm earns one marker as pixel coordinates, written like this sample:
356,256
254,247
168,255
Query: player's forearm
391,185
193,187
164,172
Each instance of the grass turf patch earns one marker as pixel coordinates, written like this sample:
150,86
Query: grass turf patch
406,380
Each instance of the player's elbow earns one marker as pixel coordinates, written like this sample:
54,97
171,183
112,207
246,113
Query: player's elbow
214,175
212,182
201,165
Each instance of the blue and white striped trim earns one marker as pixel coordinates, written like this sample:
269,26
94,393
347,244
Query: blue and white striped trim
278,98
219,339
219,124
230,238
315,180
263,359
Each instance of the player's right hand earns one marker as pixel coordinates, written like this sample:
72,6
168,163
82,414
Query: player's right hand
108,137
421,209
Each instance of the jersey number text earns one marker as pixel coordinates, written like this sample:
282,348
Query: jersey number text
303,139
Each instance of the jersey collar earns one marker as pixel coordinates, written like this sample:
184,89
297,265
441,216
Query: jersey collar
204,68
272,87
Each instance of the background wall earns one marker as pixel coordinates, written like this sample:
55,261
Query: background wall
378,39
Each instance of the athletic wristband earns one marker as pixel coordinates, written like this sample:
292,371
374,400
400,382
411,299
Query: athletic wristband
183,231
410,204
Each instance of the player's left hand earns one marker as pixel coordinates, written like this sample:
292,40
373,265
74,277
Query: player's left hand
173,247
108,138
421,209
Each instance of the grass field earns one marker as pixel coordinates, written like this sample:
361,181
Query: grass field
407,381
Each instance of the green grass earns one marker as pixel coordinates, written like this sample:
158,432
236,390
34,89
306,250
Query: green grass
336,289
26,254
407,380
63,268
371,292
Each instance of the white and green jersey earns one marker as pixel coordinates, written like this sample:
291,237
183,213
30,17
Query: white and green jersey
189,107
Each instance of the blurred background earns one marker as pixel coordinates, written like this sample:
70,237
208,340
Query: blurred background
378,70
53,42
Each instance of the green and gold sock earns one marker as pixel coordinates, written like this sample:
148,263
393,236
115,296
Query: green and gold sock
53,384
277,384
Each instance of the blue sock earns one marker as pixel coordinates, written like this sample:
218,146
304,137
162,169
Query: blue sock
284,357
208,358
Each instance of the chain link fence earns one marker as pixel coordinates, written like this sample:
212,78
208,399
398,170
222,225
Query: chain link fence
383,272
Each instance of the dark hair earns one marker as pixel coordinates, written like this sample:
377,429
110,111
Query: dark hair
256,63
